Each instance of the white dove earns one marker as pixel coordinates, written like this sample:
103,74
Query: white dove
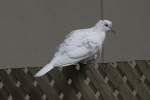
79,45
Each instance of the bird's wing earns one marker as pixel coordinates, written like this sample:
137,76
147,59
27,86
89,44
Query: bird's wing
76,41
71,57
72,41
75,48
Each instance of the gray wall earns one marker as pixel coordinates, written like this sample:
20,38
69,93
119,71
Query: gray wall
131,20
30,30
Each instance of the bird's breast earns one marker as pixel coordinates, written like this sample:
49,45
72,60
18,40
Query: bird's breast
97,38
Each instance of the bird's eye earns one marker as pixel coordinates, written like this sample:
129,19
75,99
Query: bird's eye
106,25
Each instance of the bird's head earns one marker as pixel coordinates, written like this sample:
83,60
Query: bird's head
104,25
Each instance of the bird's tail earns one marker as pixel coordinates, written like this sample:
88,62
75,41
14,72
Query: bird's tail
44,70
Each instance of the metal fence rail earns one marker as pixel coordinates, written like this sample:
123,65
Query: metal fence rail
107,81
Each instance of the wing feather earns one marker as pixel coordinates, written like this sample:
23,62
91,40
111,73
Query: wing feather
76,47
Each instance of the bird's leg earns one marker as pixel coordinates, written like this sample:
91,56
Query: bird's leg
98,56
78,66
60,68
102,53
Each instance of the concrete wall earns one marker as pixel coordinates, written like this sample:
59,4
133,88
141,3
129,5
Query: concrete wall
30,30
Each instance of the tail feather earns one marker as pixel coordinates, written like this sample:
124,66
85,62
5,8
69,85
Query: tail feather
44,70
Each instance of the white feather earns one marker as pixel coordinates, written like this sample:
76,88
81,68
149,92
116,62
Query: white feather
78,45
44,70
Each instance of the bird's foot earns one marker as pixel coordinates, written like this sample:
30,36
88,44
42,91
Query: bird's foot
78,67
60,68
